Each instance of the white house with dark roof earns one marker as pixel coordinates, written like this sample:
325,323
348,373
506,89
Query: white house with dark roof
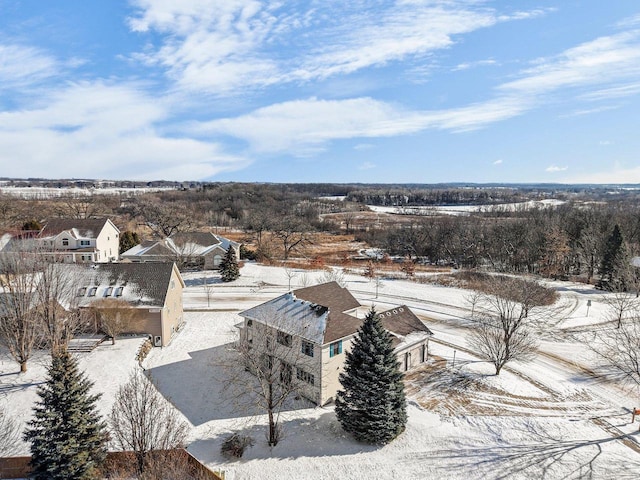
201,250
153,289
317,326
85,240
82,240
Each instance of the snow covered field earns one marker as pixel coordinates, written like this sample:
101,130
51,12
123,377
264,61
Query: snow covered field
548,418
465,209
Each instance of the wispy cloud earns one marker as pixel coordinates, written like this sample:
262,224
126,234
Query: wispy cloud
24,65
367,166
498,162
595,63
224,47
98,130
555,168
478,63
299,125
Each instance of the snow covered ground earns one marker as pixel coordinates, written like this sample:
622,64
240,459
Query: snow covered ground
547,418
465,209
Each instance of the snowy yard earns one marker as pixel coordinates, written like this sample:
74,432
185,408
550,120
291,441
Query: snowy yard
548,418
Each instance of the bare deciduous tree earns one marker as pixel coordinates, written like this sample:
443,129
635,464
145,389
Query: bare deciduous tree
293,234
621,305
267,373
620,350
333,275
506,310
20,331
57,303
114,316
164,219
143,421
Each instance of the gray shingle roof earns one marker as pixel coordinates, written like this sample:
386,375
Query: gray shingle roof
338,300
145,284
86,227
402,321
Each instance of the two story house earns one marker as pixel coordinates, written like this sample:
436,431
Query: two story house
84,240
154,290
316,326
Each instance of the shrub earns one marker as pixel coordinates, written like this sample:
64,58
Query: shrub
234,445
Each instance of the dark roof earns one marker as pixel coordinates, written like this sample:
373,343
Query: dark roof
402,321
199,238
144,283
330,294
86,227
338,300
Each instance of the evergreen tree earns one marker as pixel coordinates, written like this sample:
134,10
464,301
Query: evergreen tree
229,270
614,268
372,405
128,240
68,438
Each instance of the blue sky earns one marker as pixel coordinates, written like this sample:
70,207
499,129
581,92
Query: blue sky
321,91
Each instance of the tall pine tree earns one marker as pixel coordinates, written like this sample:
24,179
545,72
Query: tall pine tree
68,438
229,270
614,268
372,405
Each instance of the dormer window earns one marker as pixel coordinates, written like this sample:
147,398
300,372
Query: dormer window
92,291
85,243
65,242
82,291
118,292
108,291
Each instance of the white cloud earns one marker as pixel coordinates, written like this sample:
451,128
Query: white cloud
555,168
498,162
307,125
478,63
605,142
598,62
367,166
616,91
226,46
363,146
23,65
97,130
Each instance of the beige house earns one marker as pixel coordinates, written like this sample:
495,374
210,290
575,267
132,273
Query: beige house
84,240
317,325
191,250
153,289
69,240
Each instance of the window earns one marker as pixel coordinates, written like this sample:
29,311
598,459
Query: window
284,339
118,292
108,291
307,348
249,322
82,291
92,291
85,243
305,376
335,348
65,242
